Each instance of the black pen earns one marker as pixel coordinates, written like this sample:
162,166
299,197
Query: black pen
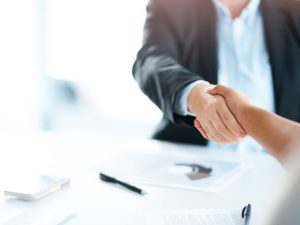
246,213
113,180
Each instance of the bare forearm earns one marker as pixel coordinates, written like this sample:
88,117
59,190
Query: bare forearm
273,132
276,134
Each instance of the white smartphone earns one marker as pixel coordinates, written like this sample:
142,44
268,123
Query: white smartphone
34,188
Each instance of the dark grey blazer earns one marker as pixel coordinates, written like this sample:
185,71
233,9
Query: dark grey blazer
180,46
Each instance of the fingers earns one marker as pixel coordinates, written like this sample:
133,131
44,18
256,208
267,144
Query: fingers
230,121
198,125
220,124
222,128
225,113
217,121
210,132
215,135
220,90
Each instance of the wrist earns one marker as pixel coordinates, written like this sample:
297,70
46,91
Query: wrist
245,117
196,96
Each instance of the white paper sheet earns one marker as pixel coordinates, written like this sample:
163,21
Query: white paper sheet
161,170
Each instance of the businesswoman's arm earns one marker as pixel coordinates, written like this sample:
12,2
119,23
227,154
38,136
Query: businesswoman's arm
276,134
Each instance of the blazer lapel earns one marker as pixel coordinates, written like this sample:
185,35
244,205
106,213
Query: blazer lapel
207,21
276,40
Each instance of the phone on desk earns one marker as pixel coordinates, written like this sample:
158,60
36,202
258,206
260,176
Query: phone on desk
34,187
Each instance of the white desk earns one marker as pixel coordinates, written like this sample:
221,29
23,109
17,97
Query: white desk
79,156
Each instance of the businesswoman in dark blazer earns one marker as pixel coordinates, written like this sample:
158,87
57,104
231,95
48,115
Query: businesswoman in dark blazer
249,45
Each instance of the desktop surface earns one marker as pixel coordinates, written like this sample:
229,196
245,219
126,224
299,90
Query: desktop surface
87,200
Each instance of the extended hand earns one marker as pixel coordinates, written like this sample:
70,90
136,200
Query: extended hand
236,102
213,118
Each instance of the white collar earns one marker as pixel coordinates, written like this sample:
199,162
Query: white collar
248,14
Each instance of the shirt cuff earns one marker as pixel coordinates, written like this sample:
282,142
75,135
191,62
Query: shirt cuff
180,106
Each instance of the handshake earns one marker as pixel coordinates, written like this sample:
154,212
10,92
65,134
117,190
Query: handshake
219,112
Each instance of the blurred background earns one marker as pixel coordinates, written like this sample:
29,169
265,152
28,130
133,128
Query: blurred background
65,66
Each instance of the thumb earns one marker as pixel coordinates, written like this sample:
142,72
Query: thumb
214,90
220,90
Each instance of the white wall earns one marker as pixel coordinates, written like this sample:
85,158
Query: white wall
90,42
18,68
94,43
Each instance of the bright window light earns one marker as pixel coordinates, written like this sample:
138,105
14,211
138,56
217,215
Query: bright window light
94,43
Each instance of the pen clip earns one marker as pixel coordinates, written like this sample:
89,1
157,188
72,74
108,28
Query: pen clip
244,211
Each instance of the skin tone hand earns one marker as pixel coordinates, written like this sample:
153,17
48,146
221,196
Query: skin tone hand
213,118
277,134
236,102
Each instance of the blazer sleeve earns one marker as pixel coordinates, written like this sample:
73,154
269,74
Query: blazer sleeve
157,68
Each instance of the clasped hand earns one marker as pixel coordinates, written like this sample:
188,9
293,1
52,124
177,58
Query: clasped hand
217,109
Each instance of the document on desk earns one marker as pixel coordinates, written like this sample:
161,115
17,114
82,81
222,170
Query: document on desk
176,171
191,217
